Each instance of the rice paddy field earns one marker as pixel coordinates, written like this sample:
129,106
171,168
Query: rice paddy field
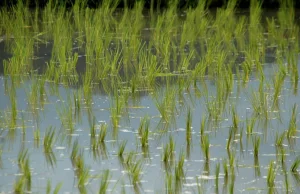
138,100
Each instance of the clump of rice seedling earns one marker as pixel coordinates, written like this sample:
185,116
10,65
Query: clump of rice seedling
256,145
56,189
75,151
81,170
179,171
235,121
49,139
271,176
232,181
122,149
205,147
292,130
295,165
250,125
169,184
168,152
1,151
24,182
135,171
104,182
102,133
189,126
217,177
202,127
36,137
144,131
93,128
229,140
279,139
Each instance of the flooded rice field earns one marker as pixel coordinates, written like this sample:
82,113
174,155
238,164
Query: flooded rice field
142,101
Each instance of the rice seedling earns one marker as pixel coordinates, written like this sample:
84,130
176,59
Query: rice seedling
232,181
250,125
188,136
36,137
256,145
143,131
279,139
122,149
292,130
24,182
1,151
102,133
168,154
93,128
22,156
271,176
230,138
295,165
104,182
217,177
235,121
75,151
278,83
205,147
135,170
49,139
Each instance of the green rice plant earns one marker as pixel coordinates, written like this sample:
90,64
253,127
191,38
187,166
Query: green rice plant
24,182
217,177
144,138
188,136
13,101
77,104
167,105
116,108
122,149
230,139
202,127
168,151
135,170
104,182
65,113
56,189
271,176
36,137
1,151
49,139
93,128
256,145
102,133
295,165
250,125
225,169
179,171
144,125
278,83
19,186
75,151
280,139
22,156
205,147
235,121
232,181
292,130
169,184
